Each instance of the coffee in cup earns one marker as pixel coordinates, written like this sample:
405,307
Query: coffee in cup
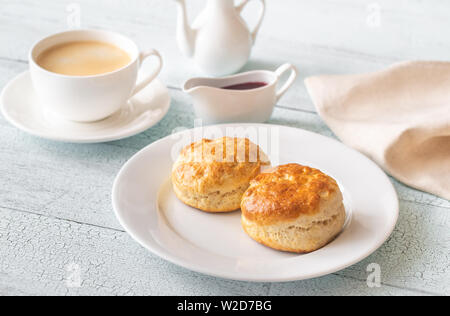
83,58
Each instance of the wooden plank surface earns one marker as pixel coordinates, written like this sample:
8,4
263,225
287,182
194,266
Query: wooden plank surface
55,208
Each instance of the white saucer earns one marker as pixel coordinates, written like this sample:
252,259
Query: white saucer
20,107
215,244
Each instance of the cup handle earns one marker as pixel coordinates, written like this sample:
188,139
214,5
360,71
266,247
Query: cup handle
143,56
241,7
280,72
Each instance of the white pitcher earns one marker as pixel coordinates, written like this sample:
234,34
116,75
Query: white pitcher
216,102
219,39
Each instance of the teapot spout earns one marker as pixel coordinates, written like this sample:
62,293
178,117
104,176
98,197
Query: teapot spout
185,34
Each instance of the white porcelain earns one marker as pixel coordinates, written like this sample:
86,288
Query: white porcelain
215,105
215,244
219,39
89,98
20,106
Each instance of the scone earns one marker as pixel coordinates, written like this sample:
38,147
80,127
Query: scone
293,208
212,175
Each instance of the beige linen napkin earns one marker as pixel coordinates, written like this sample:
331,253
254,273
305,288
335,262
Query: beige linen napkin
400,117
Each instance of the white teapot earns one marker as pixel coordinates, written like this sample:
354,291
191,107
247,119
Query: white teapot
219,39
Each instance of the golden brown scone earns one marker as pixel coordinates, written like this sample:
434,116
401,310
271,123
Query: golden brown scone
212,175
293,208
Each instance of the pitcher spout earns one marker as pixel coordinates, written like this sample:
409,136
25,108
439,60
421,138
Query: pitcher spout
195,86
185,34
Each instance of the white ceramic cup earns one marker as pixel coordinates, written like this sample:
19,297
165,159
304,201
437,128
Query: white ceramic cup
89,98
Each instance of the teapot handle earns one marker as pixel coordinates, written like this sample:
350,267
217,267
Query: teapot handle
241,7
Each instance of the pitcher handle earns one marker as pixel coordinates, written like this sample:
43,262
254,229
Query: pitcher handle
148,79
280,72
241,7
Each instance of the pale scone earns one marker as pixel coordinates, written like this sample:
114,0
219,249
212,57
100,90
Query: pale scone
293,208
212,175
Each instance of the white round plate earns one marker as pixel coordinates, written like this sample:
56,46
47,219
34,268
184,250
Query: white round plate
215,244
20,107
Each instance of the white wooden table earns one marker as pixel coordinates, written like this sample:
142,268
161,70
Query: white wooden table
57,226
